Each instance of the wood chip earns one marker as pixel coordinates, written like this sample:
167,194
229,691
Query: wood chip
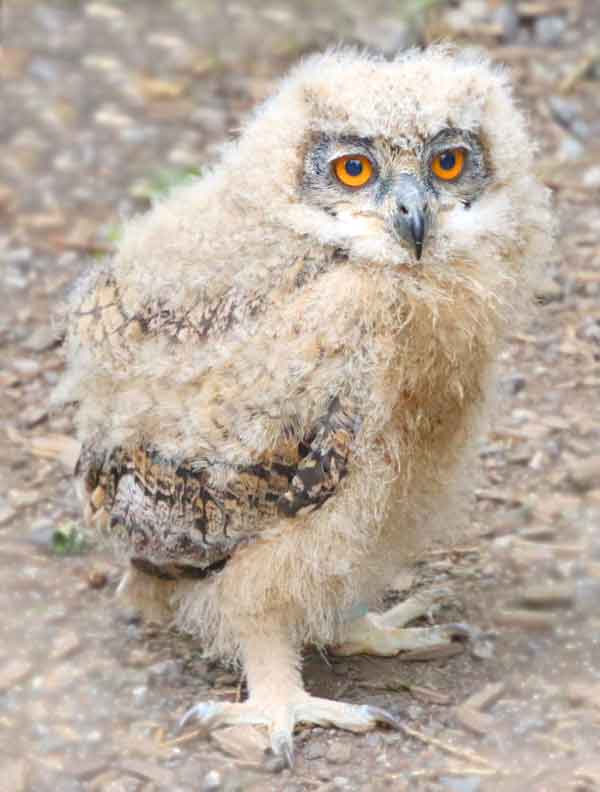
550,596
242,742
161,776
61,447
14,672
526,619
499,496
486,697
474,721
461,753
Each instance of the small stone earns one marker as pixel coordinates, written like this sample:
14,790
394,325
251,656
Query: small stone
103,11
167,671
41,339
548,30
14,672
26,368
212,782
591,177
565,111
339,753
140,694
33,416
315,750
570,149
14,776
461,783
97,578
110,116
584,474
514,384
6,512
340,782
548,290
125,784
387,35
64,644
42,532
507,19
244,743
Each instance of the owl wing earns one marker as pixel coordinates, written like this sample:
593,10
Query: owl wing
186,517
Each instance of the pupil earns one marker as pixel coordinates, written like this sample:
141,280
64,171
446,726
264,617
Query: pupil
448,160
354,167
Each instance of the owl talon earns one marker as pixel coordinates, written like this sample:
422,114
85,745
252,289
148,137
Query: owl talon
205,712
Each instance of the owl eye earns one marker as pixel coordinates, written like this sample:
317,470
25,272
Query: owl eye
354,170
449,164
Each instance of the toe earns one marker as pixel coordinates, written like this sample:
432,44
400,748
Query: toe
282,746
379,715
205,712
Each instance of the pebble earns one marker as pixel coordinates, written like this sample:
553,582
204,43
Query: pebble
548,30
32,416
6,512
386,35
548,290
245,743
314,750
27,368
565,111
64,644
570,149
514,384
591,177
507,20
211,782
584,474
339,753
461,783
13,672
167,670
42,532
14,776
125,784
41,339
97,578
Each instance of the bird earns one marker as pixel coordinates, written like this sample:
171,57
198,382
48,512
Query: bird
281,375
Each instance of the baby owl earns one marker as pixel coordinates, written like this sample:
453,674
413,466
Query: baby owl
280,374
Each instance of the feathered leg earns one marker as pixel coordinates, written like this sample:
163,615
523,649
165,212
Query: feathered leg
277,698
385,633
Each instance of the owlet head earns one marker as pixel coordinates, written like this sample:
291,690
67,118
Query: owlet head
421,163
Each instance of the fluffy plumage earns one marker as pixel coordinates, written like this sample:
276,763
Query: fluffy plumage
275,397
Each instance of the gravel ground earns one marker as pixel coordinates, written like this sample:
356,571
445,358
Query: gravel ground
105,104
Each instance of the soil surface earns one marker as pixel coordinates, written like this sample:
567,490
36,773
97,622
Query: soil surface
105,104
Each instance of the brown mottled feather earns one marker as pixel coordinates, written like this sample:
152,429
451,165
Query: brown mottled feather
174,520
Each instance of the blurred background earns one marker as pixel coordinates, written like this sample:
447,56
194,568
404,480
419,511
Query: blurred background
105,106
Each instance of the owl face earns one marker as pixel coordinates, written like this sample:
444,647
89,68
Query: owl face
395,188
421,165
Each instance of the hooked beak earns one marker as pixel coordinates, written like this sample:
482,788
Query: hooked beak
412,218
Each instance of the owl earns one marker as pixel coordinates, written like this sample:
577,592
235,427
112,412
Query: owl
280,375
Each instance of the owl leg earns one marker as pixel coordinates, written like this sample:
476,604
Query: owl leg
277,698
385,634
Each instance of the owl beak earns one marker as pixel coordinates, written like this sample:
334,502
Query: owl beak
412,218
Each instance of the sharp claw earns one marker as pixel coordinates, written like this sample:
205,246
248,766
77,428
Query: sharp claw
461,632
378,714
279,757
282,747
287,752
204,712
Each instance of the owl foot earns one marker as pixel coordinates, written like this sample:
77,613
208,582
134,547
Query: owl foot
385,633
280,720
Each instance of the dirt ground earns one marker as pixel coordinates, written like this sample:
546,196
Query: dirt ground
104,104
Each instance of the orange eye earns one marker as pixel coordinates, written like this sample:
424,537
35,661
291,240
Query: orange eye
354,170
449,164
